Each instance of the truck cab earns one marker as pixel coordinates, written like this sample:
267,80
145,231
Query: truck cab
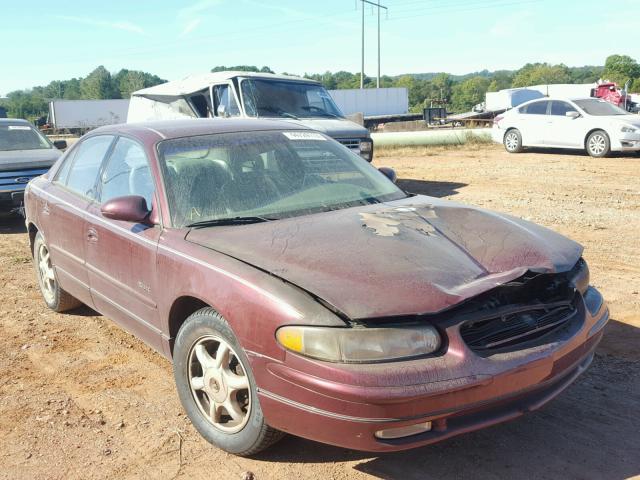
251,95
613,94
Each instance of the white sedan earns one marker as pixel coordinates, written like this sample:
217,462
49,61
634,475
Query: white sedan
590,124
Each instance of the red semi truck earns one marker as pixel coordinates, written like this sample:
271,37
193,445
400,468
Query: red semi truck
610,92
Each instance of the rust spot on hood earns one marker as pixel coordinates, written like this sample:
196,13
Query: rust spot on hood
390,221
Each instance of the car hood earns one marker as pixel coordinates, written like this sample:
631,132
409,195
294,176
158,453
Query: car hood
413,256
25,159
335,128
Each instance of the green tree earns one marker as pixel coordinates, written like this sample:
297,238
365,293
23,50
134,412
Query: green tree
620,69
128,81
242,68
469,93
72,89
500,80
98,85
541,74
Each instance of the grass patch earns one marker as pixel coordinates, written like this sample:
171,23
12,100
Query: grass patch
423,150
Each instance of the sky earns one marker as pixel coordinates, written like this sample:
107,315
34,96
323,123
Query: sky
41,41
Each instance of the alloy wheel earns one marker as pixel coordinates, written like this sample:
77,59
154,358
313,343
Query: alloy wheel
597,144
219,384
47,275
511,141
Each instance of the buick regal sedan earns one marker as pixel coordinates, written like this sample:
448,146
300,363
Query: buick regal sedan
590,124
297,289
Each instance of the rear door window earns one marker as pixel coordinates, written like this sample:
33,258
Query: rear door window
561,108
536,108
83,173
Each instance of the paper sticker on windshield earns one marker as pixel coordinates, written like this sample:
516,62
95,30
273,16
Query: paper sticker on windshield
304,136
19,127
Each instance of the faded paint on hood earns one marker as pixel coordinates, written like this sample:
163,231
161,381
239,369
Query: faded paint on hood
412,256
334,127
25,159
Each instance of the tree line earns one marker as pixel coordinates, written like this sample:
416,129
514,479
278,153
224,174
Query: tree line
458,93
99,84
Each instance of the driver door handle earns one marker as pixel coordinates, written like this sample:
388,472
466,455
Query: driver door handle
92,234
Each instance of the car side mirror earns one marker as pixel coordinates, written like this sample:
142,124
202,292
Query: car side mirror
572,114
390,173
60,144
222,111
130,208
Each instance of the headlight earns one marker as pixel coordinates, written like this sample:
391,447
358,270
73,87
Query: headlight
366,149
359,345
628,129
580,276
366,145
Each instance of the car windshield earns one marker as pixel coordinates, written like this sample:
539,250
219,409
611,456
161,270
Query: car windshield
21,137
265,175
280,98
599,108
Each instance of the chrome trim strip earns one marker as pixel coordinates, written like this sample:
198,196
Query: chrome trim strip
121,285
72,277
67,254
325,413
155,330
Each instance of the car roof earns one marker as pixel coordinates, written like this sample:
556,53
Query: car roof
14,121
198,82
166,129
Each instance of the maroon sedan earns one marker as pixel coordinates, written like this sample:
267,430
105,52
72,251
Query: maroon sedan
297,289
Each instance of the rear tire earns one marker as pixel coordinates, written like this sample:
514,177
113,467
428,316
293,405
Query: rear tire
54,296
217,388
513,141
598,144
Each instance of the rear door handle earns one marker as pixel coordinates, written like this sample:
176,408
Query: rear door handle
92,235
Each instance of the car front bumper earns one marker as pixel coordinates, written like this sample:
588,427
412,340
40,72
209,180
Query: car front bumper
626,142
457,392
13,185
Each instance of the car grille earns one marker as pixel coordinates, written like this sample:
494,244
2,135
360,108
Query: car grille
515,328
352,143
18,179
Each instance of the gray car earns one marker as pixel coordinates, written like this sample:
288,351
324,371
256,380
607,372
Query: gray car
25,153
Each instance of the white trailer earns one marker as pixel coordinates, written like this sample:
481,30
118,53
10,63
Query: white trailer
86,114
565,90
372,101
509,98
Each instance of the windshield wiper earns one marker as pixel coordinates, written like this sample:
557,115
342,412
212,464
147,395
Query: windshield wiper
216,222
320,111
279,111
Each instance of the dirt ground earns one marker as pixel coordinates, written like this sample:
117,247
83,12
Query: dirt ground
79,398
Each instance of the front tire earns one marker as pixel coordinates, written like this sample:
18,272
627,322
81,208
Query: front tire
54,296
216,386
598,144
513,141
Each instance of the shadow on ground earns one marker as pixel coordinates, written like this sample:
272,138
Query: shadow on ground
589,431
11,225
430,188
581,153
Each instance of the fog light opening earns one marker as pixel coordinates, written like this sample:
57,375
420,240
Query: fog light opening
401,432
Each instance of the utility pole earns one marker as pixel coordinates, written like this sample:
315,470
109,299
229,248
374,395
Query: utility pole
362,69
362,65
